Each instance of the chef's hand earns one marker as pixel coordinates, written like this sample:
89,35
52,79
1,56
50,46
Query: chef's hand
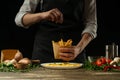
69,53
53,15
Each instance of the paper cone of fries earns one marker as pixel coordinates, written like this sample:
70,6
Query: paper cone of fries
57,45
56,49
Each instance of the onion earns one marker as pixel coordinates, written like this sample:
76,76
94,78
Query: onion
20,66
25,61
18,56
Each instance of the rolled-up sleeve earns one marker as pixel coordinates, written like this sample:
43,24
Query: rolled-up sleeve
90,18
28,6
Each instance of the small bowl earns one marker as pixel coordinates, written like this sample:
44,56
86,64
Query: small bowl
93,58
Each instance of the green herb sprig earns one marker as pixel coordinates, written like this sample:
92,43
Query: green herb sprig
91,66
11,68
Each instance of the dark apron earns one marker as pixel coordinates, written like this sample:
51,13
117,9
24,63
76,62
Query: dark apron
70,29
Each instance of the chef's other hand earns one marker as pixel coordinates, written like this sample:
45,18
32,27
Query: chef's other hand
53,15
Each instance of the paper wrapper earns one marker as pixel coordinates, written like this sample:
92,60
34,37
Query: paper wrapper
56,49
57,45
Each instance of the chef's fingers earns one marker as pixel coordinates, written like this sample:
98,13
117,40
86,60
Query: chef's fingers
66,56
60,15
56,16
66,49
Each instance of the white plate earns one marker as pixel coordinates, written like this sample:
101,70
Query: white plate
62,65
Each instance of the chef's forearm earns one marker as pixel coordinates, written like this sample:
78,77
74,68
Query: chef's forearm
86,39
29,19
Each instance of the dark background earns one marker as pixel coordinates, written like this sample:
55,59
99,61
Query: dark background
14,37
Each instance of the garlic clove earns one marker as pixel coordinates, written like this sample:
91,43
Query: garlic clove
13,61
117,59
113,62
6,62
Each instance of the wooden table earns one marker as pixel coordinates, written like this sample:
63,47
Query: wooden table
50,74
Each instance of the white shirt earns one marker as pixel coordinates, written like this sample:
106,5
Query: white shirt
89,15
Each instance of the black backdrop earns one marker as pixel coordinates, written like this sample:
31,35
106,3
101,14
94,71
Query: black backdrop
13,37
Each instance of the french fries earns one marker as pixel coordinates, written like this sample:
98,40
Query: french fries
61,43
68,43
57,45
65,44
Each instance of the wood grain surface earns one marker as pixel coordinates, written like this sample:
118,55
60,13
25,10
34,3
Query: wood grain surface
52,74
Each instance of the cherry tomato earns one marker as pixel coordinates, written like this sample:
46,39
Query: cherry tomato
100,61
108,60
